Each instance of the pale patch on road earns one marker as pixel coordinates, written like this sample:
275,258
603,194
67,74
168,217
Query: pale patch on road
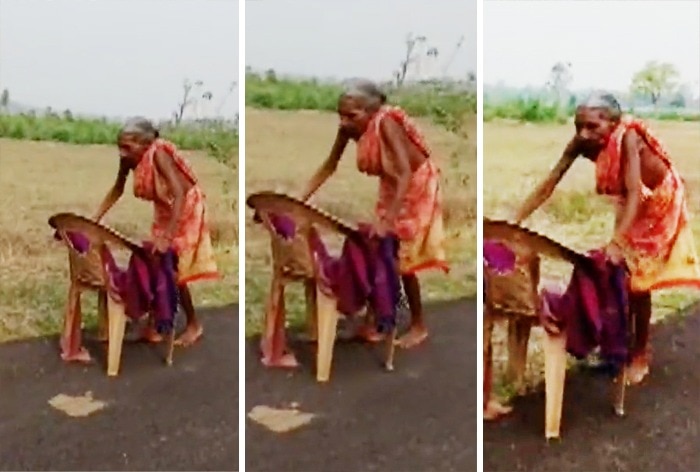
280,420
77,406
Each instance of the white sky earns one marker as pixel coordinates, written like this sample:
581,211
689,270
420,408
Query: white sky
344,39
606,41
117,57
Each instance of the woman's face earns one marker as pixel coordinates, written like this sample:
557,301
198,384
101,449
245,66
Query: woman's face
131,148
354,117
593,129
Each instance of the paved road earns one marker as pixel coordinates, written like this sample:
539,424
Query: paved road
157,418
421,417
661,430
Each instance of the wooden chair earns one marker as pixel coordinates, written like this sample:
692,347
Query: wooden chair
513,296
88,272
293,260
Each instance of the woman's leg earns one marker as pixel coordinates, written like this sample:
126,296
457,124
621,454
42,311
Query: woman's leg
418,332
193,330
640,307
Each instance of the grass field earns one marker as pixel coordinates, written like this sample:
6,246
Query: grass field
284,148
517,156
42,178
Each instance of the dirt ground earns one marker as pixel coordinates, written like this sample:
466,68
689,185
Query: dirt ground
283,149
42,178
517,156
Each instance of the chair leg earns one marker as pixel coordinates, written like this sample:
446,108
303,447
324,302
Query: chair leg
71,342
619,387
391,349
327,316
117,326
273,342
518,337
487,355
170,347
555,375
311,314
102,326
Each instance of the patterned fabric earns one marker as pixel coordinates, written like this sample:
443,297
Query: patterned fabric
659,246
419,224
192,241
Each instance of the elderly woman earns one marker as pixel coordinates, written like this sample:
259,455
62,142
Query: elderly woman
391,148
652,232
163,176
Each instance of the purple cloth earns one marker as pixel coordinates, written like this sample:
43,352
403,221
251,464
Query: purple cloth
593,310
498,256
79,241
365,273
147,286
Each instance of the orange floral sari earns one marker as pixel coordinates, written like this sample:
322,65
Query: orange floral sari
192,241
419,224
659,247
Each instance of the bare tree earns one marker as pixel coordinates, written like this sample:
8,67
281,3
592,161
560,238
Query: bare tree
191,95
409,58
5,99
560,78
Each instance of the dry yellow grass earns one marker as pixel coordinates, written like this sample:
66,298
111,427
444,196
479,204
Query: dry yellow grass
39,179
517,156
283,149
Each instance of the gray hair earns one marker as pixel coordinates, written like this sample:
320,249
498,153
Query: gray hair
141,127
604,100
365,90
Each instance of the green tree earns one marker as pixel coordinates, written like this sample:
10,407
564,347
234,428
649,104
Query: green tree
655,80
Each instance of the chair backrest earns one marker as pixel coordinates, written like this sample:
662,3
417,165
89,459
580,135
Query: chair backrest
293,256
86,263
516,292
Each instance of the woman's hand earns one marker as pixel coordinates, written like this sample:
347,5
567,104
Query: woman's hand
381,228
161,244
614,252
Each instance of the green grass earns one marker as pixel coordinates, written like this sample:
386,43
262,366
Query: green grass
517,156
444,104
34,268
219,139
301,141
535,110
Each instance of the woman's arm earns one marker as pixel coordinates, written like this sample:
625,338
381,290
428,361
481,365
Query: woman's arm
114,193
399,163
545,189
633,183
164,165
328,167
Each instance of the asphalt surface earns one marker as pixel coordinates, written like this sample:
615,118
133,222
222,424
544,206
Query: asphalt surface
421,417
157,418
661,430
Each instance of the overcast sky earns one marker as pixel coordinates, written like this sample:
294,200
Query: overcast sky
606,41
340,39
117,57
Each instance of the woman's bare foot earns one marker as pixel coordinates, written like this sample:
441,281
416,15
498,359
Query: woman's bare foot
369,334
638,370
495,410
287,361
415,336
191,335
82,356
